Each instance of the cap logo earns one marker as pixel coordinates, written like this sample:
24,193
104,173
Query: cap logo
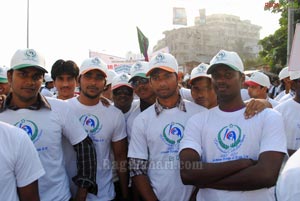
160,58
220,55
137,66
95,61
201,69
30,54
123,78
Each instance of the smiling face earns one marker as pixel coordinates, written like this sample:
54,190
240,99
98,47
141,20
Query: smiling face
25,84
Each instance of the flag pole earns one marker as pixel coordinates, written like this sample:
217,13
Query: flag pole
27,41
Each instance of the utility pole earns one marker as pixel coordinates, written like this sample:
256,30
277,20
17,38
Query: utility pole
291,29
27,41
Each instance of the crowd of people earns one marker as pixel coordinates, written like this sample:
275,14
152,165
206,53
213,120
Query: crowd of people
93,134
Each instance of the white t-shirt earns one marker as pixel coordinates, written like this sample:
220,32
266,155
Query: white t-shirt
273,102
219,136
288,183
186,94
156,139
20,164
46,92
46,128
290,111
136,110
104,125
245,94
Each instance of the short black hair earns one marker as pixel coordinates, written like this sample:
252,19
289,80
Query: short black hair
64,67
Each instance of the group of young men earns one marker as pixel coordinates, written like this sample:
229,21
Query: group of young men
215,147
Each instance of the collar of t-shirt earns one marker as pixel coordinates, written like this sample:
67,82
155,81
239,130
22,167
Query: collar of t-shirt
41,102
159,108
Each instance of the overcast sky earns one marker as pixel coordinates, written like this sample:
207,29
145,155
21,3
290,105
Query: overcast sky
67,29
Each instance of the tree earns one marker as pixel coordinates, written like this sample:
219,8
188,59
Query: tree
274,46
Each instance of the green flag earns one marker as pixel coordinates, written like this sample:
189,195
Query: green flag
144,43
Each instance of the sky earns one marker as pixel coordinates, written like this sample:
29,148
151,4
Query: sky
68,29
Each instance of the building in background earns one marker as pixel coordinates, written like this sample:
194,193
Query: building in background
199,43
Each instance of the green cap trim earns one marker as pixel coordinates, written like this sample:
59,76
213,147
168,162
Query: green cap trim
143,75
27,66
3,80
210,69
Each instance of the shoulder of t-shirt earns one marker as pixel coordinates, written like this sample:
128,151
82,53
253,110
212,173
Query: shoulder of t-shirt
190,104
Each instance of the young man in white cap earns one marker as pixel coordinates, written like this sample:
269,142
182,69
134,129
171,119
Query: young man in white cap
122,94
142,88
20,166
258,86
105,125
229,157
201,87
287,91
156,135
46,121
4,86
49,85
291,116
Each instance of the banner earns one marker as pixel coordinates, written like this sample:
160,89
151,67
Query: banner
113,62
179,16
202,16
144,43
294,62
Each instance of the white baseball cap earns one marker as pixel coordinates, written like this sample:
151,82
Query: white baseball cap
139,69
231,59
199,71
120,80
294,75
284,73
93,63
24,58
258,78
163,61
3,74
110,76
48,78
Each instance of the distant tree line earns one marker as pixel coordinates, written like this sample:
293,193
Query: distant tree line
274,51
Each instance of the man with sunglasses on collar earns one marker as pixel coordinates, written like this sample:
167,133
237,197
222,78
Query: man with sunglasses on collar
156,135
46,121
106,127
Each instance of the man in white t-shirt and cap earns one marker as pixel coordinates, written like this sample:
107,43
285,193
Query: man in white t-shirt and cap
291,116
4,86
156,135
142,88
122,94
258,86
287,91
105,125
227,156
201,87
46,121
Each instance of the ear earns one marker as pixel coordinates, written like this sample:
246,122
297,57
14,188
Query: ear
9,76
